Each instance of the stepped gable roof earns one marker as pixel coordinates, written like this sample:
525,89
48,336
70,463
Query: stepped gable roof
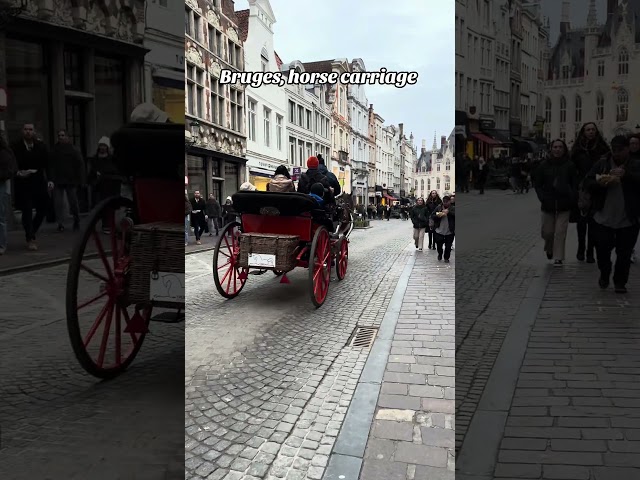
243,24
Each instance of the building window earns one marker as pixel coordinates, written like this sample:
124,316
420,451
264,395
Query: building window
267,127
234,53
109,94
447,164
308,116
292,151
599,106
215,41
300,152
264,59
623,62
292,112
251,120
317,124
188,21
600,68
563,109
422,192
217,102
622,110
428,185
447,183
73,70
279,132
309,147
236,110
300,116
438,183
578,108
195,90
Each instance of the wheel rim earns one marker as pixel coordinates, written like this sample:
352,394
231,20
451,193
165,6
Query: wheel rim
343,259
321,267
106,331
228,275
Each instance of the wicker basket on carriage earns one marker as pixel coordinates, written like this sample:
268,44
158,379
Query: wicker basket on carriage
267,245
155,247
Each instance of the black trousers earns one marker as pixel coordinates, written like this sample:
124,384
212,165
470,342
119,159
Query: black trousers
430,236
30,222
444,242
585,226
622,240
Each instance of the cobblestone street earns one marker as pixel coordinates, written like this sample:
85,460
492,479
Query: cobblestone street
546,362
51,409
269,379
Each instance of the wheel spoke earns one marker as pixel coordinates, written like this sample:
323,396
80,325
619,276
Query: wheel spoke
127,319
105,336
92,300
102,254
91,271
96,324
224,264
118,336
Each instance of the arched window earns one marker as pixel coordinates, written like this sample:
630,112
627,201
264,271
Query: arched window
438,183
428,185
599,106
422,192
447,183
623,62
578,109
547,110
563,109
622,108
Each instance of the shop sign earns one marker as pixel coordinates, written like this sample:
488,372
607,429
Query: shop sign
378,194
297,170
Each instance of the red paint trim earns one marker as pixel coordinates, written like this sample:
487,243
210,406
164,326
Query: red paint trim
300,226
159,200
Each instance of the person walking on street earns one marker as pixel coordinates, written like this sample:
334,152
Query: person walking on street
198,218
229,214
32,184
587,150
67,172
213,212
613,183
444,222
420,219
556,184
483,171
8,169
105,176
187,214
433,201
464,170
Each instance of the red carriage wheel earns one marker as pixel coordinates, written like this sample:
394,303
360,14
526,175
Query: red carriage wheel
105,331
228,276
320,266
342,259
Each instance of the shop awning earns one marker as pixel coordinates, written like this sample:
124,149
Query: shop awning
388,197
485,139
501,136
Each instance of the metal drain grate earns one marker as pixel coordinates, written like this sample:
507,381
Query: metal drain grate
363,337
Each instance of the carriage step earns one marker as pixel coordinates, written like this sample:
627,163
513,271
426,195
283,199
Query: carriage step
363,337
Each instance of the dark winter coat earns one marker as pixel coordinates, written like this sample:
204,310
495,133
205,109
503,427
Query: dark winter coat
309,178
35,185
419,216
105,166
556,184
187,207
451,216
66,165
432,204
630,182
585,156
333,180
198,204
8,165
213,208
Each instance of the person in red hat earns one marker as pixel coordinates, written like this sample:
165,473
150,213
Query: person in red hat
312,176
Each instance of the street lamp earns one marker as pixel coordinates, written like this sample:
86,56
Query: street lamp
193,131
10,9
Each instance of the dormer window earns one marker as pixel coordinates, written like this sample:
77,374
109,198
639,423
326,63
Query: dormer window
264,59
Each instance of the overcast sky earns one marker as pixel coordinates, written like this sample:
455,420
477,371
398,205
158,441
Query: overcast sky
578,14
407,35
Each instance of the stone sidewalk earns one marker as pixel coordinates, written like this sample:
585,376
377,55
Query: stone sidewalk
572,409
412,436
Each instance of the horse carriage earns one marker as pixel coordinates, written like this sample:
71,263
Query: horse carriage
278,232
120,273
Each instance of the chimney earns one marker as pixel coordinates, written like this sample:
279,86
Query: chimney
401,128
565,16
443,141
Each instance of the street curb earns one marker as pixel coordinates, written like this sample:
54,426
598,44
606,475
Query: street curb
30,267
207,249
347,456
478,454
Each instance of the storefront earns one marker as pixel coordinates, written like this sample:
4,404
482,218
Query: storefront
343,174
260,172
164,77
211,172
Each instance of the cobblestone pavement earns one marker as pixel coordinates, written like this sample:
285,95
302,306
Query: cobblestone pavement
268,377
412,437
576,409
60,423
495,234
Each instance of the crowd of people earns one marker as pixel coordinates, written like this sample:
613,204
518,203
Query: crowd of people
434,218
595,185
42,177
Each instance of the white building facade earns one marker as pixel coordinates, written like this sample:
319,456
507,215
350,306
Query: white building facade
436,168
358,107
267,105
601,84
164,63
